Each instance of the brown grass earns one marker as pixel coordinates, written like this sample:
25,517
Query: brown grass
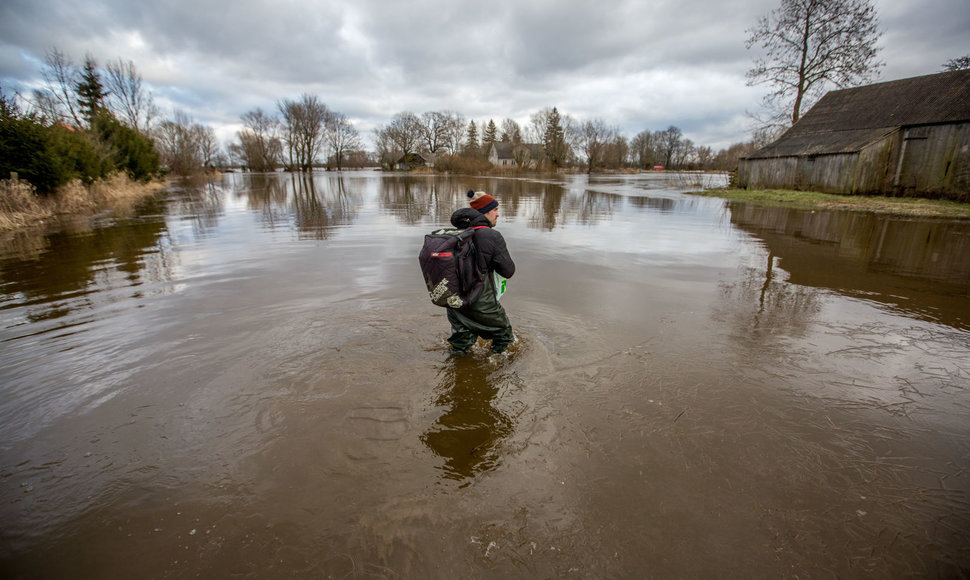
20,206
899,206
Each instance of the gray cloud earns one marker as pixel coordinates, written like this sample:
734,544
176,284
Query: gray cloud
634,64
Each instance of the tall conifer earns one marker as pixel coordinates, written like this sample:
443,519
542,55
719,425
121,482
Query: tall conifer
90,91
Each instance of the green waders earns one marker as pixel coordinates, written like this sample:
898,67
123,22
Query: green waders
485,318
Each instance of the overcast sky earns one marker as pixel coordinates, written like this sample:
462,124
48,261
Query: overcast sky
635,64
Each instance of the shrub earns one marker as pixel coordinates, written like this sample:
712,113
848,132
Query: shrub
78,155
52,156
129,150
462,164
25,150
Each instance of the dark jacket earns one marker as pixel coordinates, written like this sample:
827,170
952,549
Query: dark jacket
493,255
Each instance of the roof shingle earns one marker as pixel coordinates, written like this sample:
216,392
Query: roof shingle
847,120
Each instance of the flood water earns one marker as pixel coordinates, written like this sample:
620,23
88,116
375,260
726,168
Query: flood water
246,379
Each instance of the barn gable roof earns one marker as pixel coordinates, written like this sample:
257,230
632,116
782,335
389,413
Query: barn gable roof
847,120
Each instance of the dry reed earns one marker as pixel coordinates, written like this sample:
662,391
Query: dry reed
20,206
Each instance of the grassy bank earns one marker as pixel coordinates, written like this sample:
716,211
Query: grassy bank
901,206
20,206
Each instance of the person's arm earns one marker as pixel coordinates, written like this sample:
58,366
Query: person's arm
501,259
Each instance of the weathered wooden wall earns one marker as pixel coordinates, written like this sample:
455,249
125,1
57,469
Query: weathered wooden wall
935,163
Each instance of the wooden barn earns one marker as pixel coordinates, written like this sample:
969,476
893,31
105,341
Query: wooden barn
905,137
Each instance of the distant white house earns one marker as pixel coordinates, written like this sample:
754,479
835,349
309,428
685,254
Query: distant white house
504,154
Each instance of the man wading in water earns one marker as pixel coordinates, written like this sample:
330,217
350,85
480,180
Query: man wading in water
485,317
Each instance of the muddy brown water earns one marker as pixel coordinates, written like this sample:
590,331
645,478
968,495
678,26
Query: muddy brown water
247,379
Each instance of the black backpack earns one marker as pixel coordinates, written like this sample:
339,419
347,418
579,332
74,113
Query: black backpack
449,262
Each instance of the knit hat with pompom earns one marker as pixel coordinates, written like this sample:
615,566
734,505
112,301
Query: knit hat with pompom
481,201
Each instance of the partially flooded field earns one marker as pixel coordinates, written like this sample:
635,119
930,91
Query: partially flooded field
247,379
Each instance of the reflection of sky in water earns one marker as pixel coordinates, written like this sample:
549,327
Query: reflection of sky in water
364,229
686,230
222,249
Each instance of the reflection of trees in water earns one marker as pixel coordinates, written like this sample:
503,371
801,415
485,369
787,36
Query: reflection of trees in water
320,204
57,273
201,201
661,204
414,199
595,207
313,203
544,205
265,194
466,434
549,205
760,305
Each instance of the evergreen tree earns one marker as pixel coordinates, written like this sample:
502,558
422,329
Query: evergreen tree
90,91
491,135
471,140
24,148
47,156
555,139
128,149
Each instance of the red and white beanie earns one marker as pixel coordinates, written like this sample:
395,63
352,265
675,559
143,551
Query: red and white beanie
481,201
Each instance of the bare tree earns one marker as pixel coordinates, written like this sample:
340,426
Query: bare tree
539,125
454,131
383,146
403,134
304,125
434,127
643,149
342,137
762,136
811,43
959,63
208,145
727,159
616,154
178,144
511,132
58,100
685,155
669,144
259,140
46,105
705,157
591,139
128,98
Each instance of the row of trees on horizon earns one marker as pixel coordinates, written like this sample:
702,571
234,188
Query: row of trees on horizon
560,140
87,121
78,102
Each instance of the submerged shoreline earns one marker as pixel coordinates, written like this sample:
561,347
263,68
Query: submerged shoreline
21,208
901,206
